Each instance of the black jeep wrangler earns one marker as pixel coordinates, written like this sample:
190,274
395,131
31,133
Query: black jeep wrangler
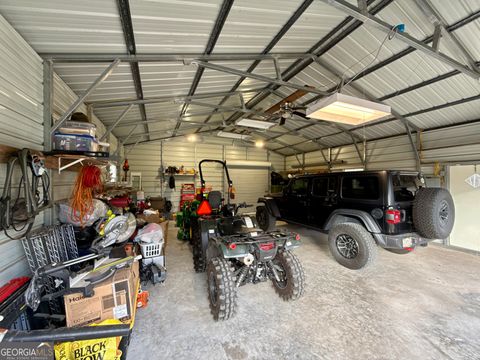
359,210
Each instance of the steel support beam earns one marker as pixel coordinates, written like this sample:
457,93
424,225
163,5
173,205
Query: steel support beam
183,58
127,27
217,29
104,75
440,23
292,20
381,25
451,28
158,121
114,125
266,79
167,137
161,99
337,34
419,112
123,140
47,104
48,87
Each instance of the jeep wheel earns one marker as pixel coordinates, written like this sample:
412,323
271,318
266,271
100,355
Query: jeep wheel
292,277
265,220
352,245
199,256
433,213
222,292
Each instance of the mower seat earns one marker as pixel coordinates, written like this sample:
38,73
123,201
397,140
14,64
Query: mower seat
215,199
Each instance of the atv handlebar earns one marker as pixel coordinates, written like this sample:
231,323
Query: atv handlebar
243,205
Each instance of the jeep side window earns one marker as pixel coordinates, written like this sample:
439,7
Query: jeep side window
320,186
405,187
299,186
361,187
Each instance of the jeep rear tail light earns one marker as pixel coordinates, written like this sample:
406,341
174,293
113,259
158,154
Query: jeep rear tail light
232,246
297,237
392,216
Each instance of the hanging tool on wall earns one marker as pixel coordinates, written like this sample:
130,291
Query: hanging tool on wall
16,212
171,170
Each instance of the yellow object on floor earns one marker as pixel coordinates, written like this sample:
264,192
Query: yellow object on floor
106,348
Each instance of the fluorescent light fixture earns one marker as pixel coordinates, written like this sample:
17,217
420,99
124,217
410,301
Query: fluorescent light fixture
347,109
353,169
259,143
257,124
232,135
192,138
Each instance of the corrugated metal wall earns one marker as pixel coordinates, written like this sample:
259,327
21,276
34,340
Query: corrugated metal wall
21,118
448,145
21,125
250,183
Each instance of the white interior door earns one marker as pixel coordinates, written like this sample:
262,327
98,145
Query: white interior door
466,231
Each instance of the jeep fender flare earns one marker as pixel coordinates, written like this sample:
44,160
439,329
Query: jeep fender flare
350,215
271,206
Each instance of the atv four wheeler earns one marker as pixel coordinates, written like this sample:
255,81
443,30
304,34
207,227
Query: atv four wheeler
234,252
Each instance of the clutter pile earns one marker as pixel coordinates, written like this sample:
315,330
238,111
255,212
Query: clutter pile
90,270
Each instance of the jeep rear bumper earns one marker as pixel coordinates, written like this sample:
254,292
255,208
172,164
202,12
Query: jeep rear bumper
403,241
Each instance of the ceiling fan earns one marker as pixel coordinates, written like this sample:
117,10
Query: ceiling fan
285,108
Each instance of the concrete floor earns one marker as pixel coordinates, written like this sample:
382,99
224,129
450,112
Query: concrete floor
424,305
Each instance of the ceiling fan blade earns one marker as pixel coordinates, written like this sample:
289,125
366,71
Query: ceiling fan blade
289,99
298,113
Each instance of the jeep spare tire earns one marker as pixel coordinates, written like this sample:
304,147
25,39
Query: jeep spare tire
433,213
265,220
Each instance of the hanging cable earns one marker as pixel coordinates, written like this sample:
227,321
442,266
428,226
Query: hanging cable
20,215
390,35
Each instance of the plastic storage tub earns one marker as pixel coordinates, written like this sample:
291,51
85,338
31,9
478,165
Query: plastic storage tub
78,128
72,142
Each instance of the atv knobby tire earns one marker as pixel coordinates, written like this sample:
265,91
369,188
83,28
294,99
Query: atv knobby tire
194,230
362,249
199,255
222,292
292,276
433,213
265,220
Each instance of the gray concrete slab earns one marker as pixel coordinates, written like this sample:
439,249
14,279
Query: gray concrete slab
423,305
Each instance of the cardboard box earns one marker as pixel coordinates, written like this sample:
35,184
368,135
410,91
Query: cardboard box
154,218
114,298
158,203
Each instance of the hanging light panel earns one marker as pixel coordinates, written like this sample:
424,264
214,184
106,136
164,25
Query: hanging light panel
347,109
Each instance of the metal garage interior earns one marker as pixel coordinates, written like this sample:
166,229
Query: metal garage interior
161,78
